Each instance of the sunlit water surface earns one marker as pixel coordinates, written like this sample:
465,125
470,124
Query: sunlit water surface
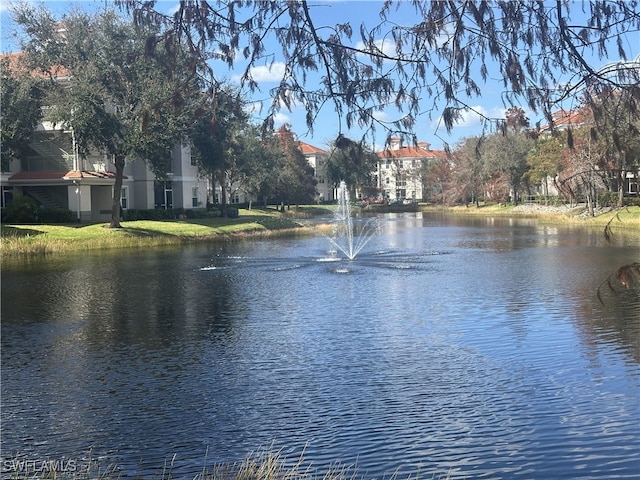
474,348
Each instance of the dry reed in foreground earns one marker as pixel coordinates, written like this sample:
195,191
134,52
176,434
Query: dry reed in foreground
262,465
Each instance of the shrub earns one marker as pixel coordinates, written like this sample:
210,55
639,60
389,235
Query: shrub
21,210
632,201
130,215
608,199
200,213
134,214
52,215
232,212
153,214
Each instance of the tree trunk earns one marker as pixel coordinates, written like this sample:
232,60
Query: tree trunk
590,200
223,193
621,178
117,192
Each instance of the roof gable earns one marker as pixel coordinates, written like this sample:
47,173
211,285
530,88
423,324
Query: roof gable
308,149
564,118
18,67
411,152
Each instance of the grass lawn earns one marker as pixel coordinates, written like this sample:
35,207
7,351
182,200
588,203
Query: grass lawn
42,239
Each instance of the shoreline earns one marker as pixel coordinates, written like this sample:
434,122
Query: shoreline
625,218
21,241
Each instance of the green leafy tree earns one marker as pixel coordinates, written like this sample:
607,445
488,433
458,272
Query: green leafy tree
507,154
471,169
264,163
297,183
352,162
22,95
219,138
256,161
507,150
121,95
545,161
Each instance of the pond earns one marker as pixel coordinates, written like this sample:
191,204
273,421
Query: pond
477,348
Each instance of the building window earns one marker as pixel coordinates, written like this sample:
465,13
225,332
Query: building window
163,193
7,196
194,197
124,197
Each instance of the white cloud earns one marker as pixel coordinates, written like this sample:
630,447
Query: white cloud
268,73
280,118
471,117
255,109
382,116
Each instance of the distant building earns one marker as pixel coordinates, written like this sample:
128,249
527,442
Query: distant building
57,177
317,158
573,119
400,169
565,119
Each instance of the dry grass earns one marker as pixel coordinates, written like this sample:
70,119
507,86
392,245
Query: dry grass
262,465
626,218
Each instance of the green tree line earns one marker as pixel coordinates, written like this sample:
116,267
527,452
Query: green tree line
587,161
102,78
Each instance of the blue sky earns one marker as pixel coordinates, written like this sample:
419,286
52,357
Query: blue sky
326,12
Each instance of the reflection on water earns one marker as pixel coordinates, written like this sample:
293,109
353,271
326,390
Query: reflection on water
477,348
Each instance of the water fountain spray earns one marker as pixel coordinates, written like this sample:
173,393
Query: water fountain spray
347,237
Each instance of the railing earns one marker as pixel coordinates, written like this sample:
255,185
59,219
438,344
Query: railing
51,156
37,163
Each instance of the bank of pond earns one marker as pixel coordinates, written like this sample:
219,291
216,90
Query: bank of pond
38,239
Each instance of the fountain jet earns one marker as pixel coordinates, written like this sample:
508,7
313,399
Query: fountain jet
349,237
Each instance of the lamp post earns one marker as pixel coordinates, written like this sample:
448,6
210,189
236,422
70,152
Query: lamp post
78,194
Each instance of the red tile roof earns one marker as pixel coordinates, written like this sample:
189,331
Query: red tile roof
73,174
24,177
308,149
17,66
564,119
411,152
